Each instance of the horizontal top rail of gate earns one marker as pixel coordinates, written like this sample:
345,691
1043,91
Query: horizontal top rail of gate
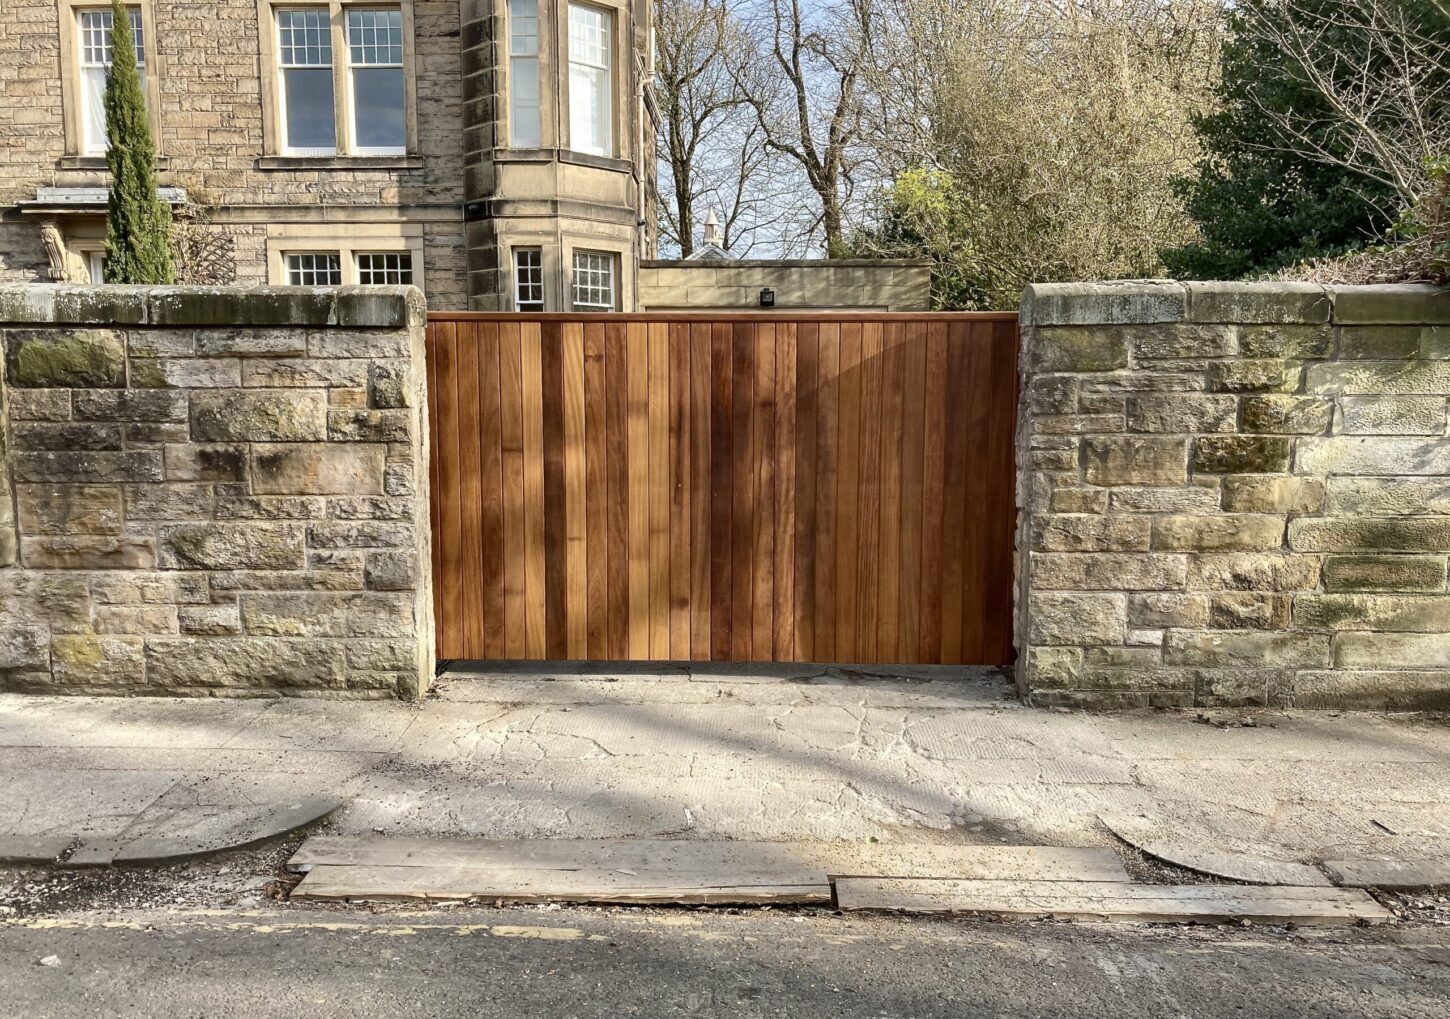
723,315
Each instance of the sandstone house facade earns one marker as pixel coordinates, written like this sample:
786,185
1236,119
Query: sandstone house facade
496,153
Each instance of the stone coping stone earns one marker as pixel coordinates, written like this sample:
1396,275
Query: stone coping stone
1391,304
345,307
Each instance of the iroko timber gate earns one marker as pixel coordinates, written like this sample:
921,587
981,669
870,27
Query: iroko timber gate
822,488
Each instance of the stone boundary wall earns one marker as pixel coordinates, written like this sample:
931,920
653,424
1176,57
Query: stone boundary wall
214,492
1234,494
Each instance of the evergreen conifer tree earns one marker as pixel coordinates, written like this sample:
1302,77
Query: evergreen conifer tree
138,223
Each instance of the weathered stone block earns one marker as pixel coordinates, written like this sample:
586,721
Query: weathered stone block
146,588
391,385
1103,303
391,571
270,507
1389,497
382,655
1240,531
1376,454
65,359
1385,573
1257,302
1389,613
64,435
1253,376
347,399
1053,394
1200,496
1365,534
372,507
60,601
1134,460
23,649
1167,610
73,305
1182,412
1081,533
1393,415
1379,343
369,425
88,660
210,620
231,546
339,534
96,468
1377,691
1249,610
1251,649
88,552
1248,493
158,405
1371,378
363,343
40,405
1077,350
135,619
196,462
182,663
259,415
1077,619
1048,424
185,372
328,615
1097,572
1409,303
1404,650
1284,414
168,501
305,372
1313,342
1079,500
1243,687
1181,340
69,509
256,306
279,342
1241,454
318,469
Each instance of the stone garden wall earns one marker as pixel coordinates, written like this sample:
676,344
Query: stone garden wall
213,492
1234,494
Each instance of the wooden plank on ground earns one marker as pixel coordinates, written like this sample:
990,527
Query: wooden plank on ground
1400,874
331,882
1114,901
837,859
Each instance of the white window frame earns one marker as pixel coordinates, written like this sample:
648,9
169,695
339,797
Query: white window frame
535,271
288,256
404,267
352,68
282,68
344,104
524,64
597,58
606,262
86,65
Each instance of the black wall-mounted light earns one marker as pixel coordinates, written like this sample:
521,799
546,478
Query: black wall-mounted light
767,298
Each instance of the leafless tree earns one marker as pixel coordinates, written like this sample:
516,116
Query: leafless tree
1382,69
810,106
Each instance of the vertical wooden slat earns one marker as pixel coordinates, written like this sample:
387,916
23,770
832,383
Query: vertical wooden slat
954,496
515,532
742,544
784,613
659,491
1000,511
828,396
913,491
637,353
868,561
848,496
535,630
556,533
576,532
889,569
435,460
616,469
488,440
451,642
700,487
977,396
762,632
679,477
934,406
807,416
470,490
722,489
596,493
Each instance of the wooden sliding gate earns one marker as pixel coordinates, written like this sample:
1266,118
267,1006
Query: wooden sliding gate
830,488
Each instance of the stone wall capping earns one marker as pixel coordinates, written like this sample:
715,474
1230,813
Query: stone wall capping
1391,304
1258,303
1121,302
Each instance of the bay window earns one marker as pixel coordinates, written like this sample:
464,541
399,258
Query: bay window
591,80
524,120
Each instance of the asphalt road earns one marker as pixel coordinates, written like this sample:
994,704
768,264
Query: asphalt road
585,962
